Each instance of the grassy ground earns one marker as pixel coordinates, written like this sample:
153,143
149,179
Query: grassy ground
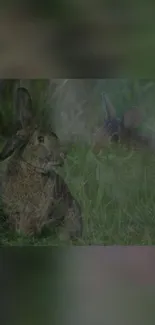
116,192
117,196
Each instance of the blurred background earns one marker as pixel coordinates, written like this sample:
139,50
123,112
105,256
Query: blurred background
111,285
77,39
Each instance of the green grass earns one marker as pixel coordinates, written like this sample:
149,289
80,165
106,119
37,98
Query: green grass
117,195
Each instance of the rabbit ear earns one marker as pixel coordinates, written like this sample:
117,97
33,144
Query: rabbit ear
110,109
132,118
24,106
53,134
12,144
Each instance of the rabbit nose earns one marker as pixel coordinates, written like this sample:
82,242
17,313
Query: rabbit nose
41,139
115,137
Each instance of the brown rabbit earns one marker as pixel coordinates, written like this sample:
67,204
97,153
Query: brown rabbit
33,194
123,131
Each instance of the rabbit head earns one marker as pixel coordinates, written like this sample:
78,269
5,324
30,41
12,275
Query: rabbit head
120,130
30,142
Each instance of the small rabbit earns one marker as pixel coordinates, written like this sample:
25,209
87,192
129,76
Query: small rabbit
120,130
33,194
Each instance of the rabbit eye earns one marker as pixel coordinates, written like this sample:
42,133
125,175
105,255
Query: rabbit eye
41,139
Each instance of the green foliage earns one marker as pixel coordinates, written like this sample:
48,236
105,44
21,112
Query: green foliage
6,108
